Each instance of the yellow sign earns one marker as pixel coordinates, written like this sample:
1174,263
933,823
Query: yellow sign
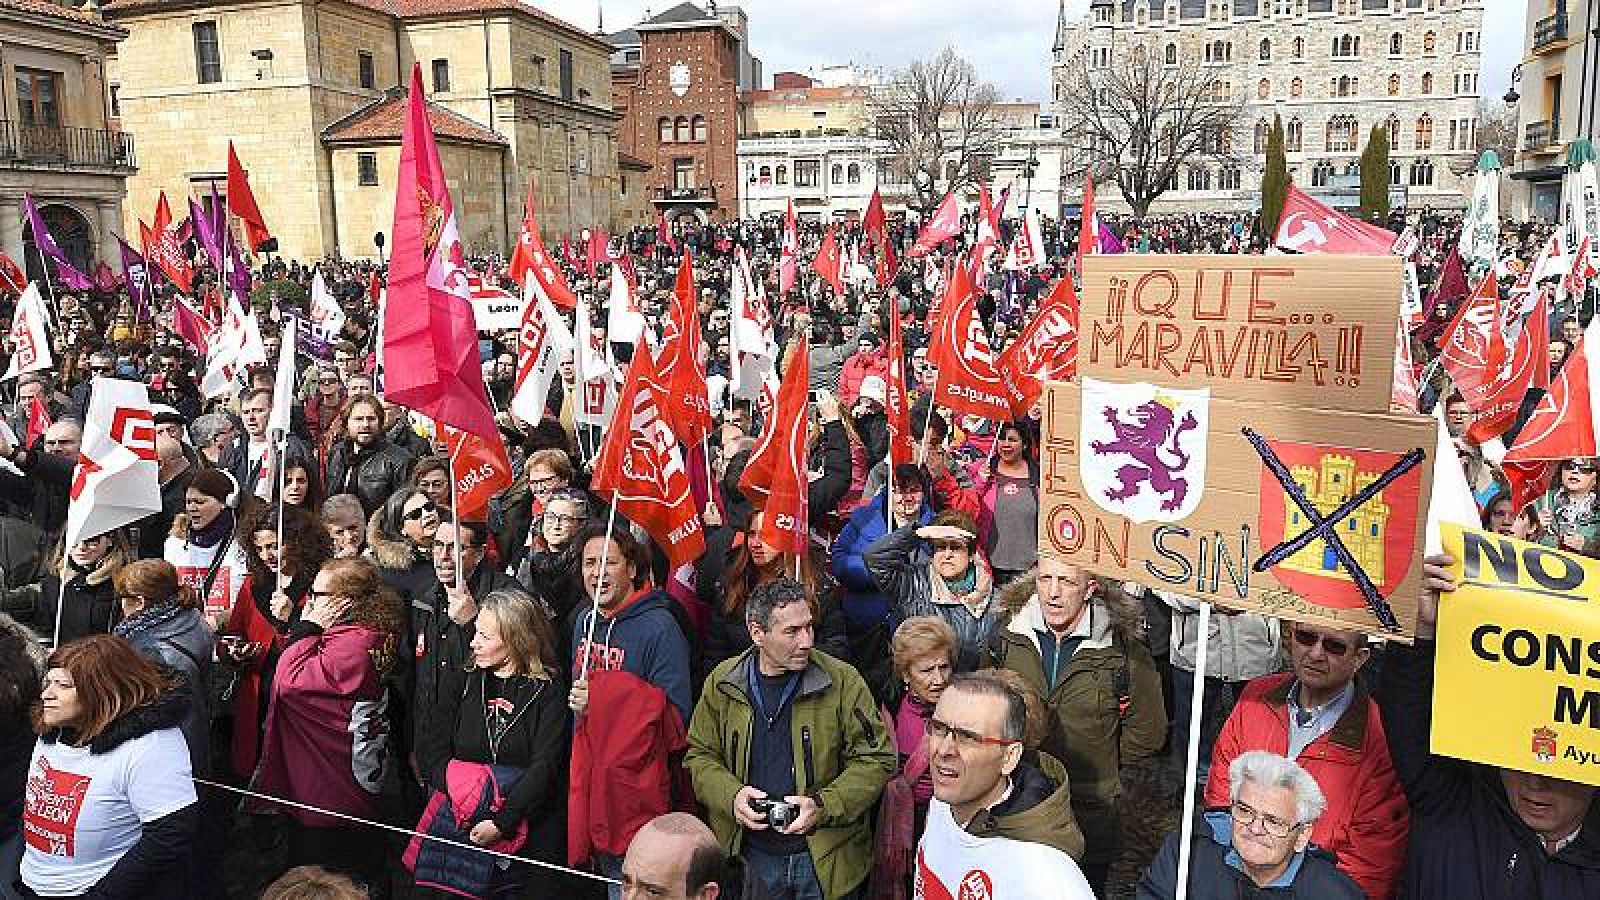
1517,677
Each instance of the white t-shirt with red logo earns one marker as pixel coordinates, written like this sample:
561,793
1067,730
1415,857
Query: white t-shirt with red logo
193,562
82,811
953,864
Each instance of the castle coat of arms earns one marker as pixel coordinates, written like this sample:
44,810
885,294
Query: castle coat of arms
1143,449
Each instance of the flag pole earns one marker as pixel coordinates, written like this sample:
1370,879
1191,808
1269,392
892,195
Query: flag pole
594,611
61,592
1196,701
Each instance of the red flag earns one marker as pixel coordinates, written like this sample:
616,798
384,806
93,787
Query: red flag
1474,347
944,224
874,223
1451,285
1562,425
242,202
1310,226
1046,350
827,262
531,257
167,251
1500,399
566,252
663,233
775,477
936,306
430,339
967,379
789,253
1089,225
479,468
1528,480
988,236
683,374
599,244
38,420
897,408
191,326
1403,389
641,466
11,274
374,289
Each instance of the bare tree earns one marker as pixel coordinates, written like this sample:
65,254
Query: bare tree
1497,129
1139,120
941,125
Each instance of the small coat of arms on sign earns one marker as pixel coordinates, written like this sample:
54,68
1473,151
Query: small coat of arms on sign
1144,449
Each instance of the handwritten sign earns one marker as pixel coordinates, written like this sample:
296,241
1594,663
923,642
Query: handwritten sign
1311,515
1311,330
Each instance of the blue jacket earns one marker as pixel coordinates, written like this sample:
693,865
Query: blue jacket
645,639
1215,872
864,602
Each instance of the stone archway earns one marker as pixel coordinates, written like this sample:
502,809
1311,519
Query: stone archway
71,232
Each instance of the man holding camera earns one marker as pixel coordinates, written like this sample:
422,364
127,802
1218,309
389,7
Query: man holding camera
786,753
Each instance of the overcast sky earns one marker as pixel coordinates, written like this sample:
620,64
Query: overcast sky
1007,40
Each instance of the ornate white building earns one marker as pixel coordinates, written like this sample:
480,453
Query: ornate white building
1331,69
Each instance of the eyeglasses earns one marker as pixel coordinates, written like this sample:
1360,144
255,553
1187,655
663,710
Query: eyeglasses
545,483
1330,646
415,513
952,546
1246,815
965,740
562,518
1581,468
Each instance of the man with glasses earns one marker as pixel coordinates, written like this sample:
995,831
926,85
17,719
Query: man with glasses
1319,715
1260,845
101,365
793,801
997,826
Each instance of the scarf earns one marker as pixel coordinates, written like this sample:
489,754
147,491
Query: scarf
147,619
973,589
213,534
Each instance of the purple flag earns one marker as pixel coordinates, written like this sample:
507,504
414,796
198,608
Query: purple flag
205,234
238,274
46,244
134,274
1109,242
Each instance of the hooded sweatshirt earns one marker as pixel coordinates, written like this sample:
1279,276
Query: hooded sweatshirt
1013,850
642,637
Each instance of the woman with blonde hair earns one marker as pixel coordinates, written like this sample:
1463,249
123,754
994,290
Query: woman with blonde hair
506,740
78,588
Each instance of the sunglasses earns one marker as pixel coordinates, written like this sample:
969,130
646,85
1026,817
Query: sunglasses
958,546
1330,646
1581,468
412,515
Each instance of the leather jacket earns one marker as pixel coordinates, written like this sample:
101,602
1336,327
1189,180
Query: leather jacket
372,473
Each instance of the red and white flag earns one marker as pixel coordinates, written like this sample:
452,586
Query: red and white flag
1499,401
874,224
166,248
30,341
789,253
968,381
1474,348
327,316
114,482
38,420
1311,226
479,469
1403,388
682,371
1046,350
542,343
530,257
11,275
987,239
430,337
897,408
775,478
641,466
1563,425
944,224
752,347
234,347
594,369
1027,244
827,263
624,314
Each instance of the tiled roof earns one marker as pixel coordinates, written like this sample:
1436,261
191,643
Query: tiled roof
683,12
54,11
385,120
629,161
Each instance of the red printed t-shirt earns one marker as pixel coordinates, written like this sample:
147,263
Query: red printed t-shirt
83,810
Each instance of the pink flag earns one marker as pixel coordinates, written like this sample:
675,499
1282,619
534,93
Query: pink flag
789,254
430,339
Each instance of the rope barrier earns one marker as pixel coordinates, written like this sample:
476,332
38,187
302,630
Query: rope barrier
405,831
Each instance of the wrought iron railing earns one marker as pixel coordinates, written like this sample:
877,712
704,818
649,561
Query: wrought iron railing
682,194
1550,29
70,148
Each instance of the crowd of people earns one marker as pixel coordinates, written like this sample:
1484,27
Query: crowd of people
291,666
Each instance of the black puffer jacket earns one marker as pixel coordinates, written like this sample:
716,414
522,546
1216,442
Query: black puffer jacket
1466,842
41,494
1211,878
372,473
88,601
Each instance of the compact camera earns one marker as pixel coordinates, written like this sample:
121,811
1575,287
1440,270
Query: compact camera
780,815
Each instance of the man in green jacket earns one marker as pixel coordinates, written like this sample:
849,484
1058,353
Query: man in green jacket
1083,655
787,754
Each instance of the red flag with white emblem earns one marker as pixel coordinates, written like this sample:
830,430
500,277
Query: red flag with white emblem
789,253
1474,348
1563,424
115,480
1310,226
479,468
944,224
530,257
776,475
683,374
967,379
827,262
1046,350
1498,402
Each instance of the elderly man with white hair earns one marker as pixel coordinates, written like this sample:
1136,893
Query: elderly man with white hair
1260,846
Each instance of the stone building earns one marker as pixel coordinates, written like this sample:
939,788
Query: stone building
1555,92
809,143
309,94
676,79
1331,69
59,137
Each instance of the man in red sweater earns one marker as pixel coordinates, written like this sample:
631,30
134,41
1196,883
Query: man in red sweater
1318,715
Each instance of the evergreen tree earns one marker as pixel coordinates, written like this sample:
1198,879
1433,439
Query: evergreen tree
1274,182
1375,176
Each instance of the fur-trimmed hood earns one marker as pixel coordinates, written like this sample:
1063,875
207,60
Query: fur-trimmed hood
1116,610
100,574
166,711
387,551
32,648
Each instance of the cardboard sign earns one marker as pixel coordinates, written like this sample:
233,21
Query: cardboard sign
1311,515
1520,636
1311,330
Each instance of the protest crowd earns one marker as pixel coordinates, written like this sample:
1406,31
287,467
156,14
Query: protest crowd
713,593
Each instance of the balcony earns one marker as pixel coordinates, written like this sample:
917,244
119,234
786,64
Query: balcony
1550,30
51,146
690,195
1537,136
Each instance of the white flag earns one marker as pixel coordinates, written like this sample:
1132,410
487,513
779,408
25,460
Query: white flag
30,342
235,346
115,481
542,344
327,317
1451,499
752,348
597,380
283,387
624,318
1480,233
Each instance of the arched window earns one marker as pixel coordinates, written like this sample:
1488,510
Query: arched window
664,129
1295,87
1265,50
1393,127
698,125
1321,174
1421,173
1394,85
1341,134
680,130
1172,54
853,173
1397,44
1430,43
1263,89
1427,82
1228,179
1263,132
1394,173
783,175
1292,135
1353,167
1344,86
1424,133
1347,45
836,174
